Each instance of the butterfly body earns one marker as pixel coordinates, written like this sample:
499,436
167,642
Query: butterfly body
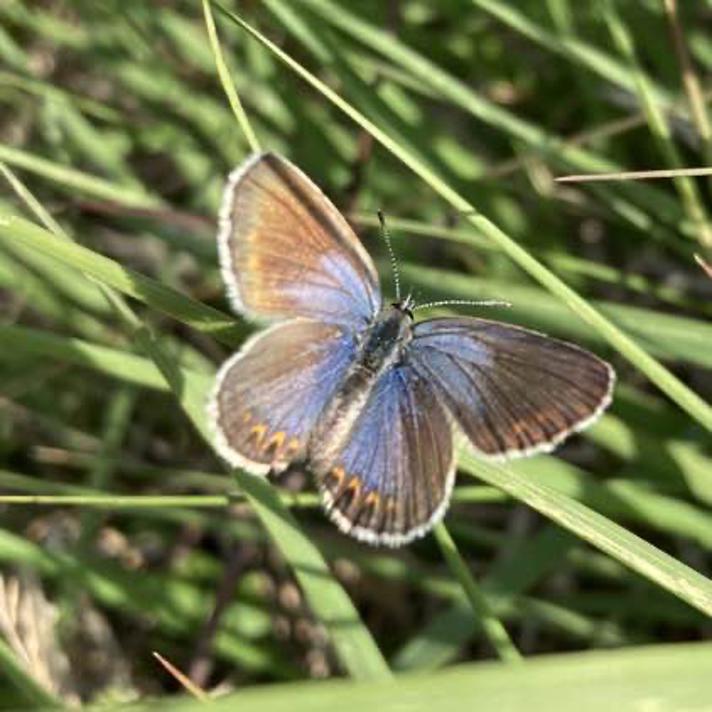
359,393
381,346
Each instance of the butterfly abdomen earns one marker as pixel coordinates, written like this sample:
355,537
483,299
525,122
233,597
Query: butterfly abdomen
380,348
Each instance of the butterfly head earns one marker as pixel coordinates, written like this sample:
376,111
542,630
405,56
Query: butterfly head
406,306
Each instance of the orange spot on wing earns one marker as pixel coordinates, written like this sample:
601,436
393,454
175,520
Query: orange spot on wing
339,474
354,485
372,499
292,447
258,431
276,441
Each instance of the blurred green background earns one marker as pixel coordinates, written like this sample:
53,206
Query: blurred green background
116,134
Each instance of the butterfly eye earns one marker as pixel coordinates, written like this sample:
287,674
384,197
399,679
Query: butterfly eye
403,307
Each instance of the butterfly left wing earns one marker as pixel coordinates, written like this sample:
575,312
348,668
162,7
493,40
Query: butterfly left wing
512,391
286,251
268,396
393,478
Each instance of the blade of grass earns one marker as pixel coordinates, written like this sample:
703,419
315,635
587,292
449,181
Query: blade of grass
671,675
75,181
492,627
629,549
123,279
636,175
20,341
227,85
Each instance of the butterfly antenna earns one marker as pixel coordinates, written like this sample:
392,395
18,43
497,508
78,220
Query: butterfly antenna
391,254
469,302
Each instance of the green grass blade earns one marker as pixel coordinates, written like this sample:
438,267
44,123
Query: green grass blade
586,55
123,279
226,81
75,181
492,627
673,676
629,549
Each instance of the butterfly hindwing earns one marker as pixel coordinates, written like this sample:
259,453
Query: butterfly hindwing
286,251
268,396
392,480
511,390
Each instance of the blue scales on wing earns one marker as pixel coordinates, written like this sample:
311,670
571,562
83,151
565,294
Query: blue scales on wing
268,396
393,477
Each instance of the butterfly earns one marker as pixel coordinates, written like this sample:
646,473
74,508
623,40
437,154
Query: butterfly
354,389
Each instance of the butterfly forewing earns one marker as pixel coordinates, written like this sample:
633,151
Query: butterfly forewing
512,391
392,480
286,251
268,396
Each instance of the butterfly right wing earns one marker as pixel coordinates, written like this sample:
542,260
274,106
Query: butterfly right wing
268,396
512,391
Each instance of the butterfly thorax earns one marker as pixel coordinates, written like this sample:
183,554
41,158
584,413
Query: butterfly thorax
384,340
380,347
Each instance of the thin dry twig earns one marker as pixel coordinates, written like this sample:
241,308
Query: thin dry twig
634,175
182,678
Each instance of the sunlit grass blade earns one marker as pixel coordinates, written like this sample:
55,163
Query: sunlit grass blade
493,628
123,279
73,180
223,73
629,549
635,175
673,675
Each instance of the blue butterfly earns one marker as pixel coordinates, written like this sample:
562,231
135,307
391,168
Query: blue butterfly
354,390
